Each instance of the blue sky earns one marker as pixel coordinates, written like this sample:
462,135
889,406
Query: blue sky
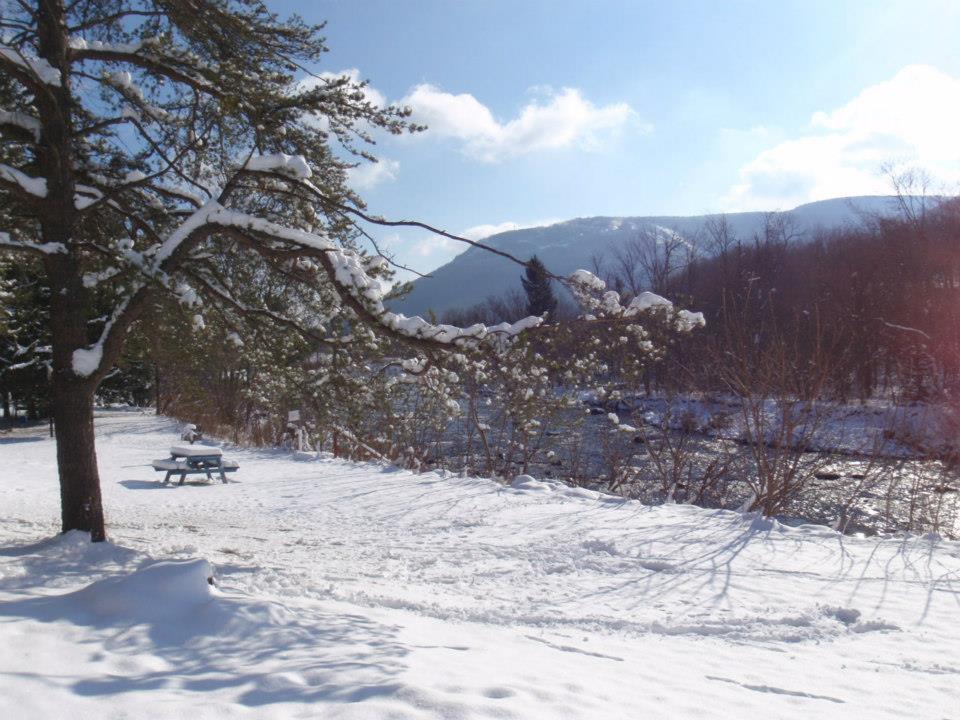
543,111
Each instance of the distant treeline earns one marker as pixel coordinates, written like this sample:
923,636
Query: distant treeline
853,313
859,312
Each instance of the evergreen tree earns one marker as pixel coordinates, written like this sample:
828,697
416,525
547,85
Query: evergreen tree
539,289
146,145
150,150
24,339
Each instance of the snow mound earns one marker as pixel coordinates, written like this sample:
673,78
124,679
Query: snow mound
530,483
156,591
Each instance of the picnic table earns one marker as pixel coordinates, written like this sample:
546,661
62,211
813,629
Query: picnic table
189,459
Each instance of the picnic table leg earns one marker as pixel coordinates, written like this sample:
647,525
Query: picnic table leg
209,476
223,476
183,477
166,479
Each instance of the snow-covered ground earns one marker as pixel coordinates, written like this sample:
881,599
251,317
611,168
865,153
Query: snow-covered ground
351,591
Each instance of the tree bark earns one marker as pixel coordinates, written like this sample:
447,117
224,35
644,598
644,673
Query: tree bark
81,506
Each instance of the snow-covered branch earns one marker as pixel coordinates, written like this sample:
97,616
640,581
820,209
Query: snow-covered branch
294,166
9,243
36,187
26,124
168,66
89,361
344,268
587,288
36,69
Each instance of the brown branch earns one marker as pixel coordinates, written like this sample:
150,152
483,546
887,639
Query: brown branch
379,252
106,19
377,220
146,62
27,79
21,247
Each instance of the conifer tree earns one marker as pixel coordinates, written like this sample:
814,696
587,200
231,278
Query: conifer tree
144,141
148,148
537,285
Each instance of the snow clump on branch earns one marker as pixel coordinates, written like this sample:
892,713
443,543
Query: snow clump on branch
41,69
585,285
294,166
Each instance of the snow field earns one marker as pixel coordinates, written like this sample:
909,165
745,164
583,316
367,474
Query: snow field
351,591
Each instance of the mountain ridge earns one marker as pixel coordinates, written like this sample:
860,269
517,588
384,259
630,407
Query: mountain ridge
569,245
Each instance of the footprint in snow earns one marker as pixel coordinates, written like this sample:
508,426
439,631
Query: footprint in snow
658,566
850,617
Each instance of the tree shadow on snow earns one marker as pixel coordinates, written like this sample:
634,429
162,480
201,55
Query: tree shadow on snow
174,483
69,558
144,484
260,652
715,558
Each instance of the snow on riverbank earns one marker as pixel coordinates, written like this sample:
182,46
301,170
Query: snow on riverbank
350,591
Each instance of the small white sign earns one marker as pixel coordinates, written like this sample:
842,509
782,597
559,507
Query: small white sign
293,416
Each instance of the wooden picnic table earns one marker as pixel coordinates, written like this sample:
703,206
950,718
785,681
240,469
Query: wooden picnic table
189,459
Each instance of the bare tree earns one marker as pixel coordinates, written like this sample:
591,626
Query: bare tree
650,261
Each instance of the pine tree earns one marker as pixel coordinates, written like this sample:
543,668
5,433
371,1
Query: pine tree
148,148
537,285
24,338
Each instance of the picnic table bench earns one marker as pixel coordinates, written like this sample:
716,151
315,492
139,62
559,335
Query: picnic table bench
189,459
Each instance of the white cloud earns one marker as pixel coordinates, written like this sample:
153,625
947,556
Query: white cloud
911,119
368,175
564,119
560,119
437,246
479,232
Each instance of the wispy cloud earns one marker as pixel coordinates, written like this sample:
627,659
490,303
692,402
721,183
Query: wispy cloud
554,120
911,119
479,232
368,174
438,247
563,119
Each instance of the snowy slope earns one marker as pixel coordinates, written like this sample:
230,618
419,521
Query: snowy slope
350,591
476,274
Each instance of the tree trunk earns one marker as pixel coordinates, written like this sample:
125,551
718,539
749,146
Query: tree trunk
81,505
72,406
